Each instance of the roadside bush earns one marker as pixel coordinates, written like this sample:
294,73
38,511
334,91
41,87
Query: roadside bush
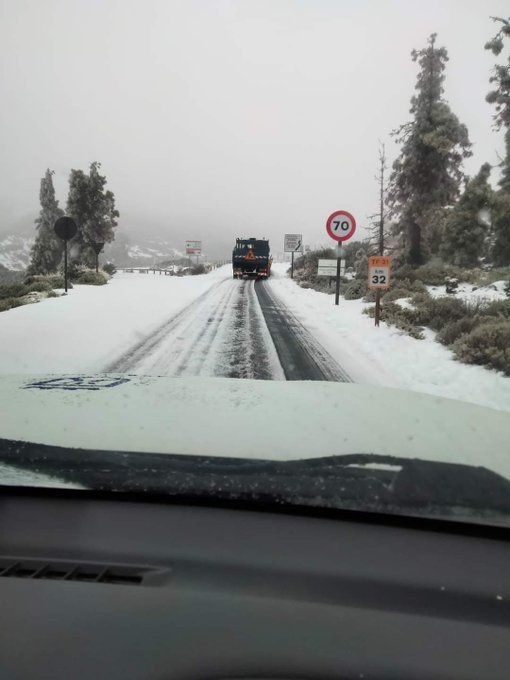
53,280
91,278
421,297
437,312
396,293
507,289
39,287
435,273
10,303
52,294
198,269
498,308
394,315
109,268
356,289
486,345
13,290
455,329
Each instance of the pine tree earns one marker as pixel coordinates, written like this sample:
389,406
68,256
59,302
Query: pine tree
465,229
500,97
427,175
93,210
47,249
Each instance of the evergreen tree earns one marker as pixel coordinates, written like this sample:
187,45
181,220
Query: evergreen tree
93,209
465,231
500,97
427,175
47,249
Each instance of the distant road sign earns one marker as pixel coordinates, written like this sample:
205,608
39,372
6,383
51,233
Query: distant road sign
326,268
341,225
379,272
293,243
97,247
193,247
65,228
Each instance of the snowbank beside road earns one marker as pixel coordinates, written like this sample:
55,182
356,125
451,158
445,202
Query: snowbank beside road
93,325
384,355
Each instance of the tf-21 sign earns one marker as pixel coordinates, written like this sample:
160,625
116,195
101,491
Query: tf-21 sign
379,272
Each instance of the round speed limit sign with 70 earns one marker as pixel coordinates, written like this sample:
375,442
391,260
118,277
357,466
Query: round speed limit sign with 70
341,225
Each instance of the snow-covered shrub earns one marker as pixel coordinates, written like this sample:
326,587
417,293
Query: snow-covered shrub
198,269
356,289
434,273
398,291
40,287
13,290
53,280
421,297
437,312
487,345
452,285
394,315
109,268
91,278
10,303
455,329
497,308
507,289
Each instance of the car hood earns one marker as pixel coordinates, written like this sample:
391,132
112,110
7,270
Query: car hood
271,420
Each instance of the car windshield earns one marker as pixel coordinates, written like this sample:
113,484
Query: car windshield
258,251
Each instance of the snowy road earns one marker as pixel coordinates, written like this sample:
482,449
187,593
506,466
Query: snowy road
237,329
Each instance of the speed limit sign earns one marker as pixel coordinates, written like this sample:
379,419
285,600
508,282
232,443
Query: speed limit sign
341,225
379,272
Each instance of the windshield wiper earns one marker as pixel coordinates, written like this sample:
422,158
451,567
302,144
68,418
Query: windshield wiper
356,481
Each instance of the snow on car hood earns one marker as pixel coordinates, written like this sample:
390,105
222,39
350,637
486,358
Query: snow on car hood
249,419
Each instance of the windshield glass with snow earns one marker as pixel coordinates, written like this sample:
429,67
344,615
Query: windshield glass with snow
258,251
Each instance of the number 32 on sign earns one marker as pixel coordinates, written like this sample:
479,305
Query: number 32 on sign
379,272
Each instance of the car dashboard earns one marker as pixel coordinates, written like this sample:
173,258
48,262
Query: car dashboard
96,586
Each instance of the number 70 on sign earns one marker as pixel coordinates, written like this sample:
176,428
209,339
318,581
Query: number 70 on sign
378,272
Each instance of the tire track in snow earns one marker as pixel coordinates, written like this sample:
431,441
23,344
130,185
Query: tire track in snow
222,333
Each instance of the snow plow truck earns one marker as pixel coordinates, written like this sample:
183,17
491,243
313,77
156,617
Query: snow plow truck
251,259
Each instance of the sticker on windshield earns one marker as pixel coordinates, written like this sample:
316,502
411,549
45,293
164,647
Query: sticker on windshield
80,382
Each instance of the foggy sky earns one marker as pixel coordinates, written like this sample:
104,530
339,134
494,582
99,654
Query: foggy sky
217,118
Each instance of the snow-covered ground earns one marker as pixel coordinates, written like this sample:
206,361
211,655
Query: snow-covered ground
93,325
385,355
471,293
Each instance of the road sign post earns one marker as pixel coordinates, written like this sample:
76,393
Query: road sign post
65,228
97,248
378,279
340,264
340,226
293,243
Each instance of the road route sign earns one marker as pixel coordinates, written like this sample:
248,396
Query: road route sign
193,247
293,243
379,272
326,268
341,225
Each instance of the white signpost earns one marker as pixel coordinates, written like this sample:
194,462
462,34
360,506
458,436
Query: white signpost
293,243
326,268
